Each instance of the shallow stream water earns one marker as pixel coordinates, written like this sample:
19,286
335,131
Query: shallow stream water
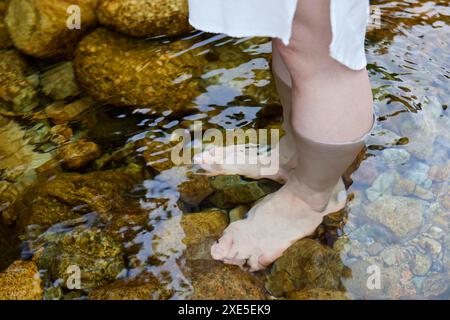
140,227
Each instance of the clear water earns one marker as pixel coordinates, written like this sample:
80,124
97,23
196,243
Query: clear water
406,160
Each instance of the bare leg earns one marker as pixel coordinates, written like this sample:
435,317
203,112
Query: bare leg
332,110
285,150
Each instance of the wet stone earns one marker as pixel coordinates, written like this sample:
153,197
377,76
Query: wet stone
143,287
18,83
69,195
5,40
317,294
422,264
145,18
97,254
307,264
21,281
78,154
121,71
39,27
402,216
213,280
59,82
61,112
233,190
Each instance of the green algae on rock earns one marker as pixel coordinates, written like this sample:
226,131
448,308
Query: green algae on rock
143,287
21,281
307,264
96,253
18,83
120,71
39,27
233,190
213,280
69,195
145,18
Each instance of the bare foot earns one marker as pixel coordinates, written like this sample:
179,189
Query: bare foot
245,160
271,226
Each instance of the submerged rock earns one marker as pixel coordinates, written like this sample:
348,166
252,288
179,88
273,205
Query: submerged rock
144,287
69,195
9,246
127,72
191,232
61,112
18,83
19,164
96,253
435,285
77,154
21,281
199,226
394,282
213,280
145,18
307,264
422,264
196,189
317,294
5,40
59,82
233,190
402,216
40,27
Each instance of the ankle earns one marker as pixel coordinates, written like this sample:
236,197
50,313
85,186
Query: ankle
317,199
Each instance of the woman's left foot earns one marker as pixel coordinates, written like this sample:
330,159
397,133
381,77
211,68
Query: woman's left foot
271,226
245,160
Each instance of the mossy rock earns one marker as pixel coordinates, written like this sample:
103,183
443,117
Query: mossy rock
307,264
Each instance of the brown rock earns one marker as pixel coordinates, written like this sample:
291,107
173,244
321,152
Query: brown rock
59,82
39,27
401,215
18,83
21,281
317,294
143,287
128,72
145,18
77,154
214,280
307,264
61,112
5,40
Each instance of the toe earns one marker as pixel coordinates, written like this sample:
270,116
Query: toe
254,263
221,249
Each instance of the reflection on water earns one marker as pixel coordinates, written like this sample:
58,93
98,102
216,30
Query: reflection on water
91,184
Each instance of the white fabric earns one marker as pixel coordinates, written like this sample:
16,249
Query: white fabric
274,18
